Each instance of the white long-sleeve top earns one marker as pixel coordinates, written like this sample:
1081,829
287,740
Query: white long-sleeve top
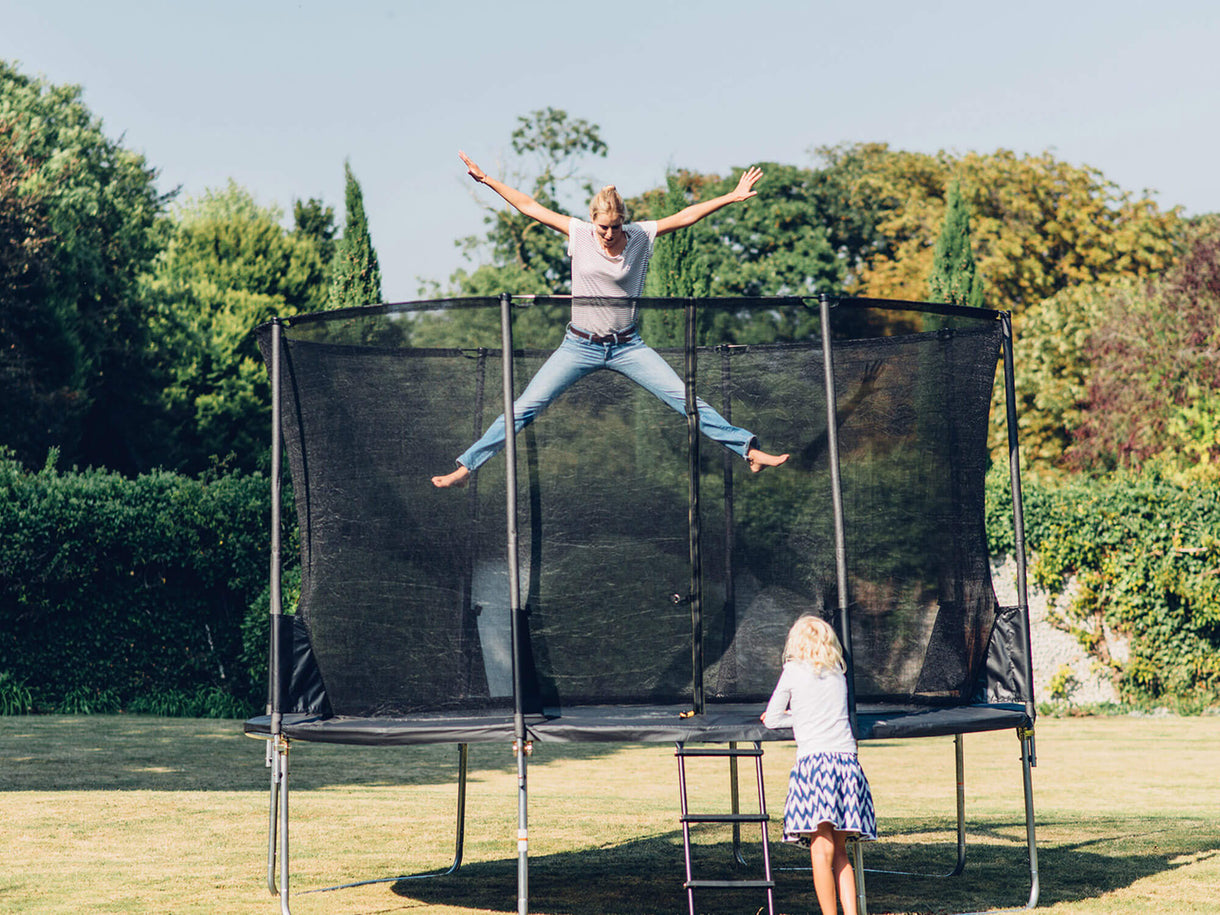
814,704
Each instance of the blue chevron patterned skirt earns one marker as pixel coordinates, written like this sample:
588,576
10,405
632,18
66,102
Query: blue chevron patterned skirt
828,788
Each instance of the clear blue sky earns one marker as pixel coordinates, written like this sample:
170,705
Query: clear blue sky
275,95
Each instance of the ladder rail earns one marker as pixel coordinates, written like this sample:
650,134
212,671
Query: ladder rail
733,753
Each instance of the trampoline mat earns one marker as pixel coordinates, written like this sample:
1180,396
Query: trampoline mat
721,723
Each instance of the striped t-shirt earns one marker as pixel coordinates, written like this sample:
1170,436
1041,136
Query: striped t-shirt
595,274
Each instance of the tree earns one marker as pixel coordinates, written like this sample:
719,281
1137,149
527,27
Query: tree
676,271
953,277
99,203
228,266
1153,388
526,257
773,244
355,274
1053,378
313,219
34,402
1038,225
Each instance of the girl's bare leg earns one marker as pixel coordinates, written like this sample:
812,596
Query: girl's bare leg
759,459
458,478
822,858
845,874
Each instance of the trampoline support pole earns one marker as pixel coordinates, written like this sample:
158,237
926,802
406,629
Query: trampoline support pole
694,511
836,495
1018,510
1028,756
1028,761
277,758
277,744
959,759
514,601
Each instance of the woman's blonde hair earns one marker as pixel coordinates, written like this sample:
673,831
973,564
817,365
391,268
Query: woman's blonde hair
607,201
813,641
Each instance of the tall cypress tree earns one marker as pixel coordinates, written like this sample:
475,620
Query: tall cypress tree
953,277
355,277
676,270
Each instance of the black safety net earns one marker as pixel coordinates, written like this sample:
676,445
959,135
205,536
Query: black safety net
405,588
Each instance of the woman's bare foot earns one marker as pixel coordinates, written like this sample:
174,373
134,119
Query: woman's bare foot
458,478
760,460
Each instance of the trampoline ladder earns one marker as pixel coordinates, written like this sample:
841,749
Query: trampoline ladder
732,752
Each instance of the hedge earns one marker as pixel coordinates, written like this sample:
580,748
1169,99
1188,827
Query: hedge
150,594
129,594
1144,552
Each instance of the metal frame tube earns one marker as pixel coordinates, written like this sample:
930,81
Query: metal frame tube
694,511
1018,511
836,494
514,601
1028,754
1028,761
277,744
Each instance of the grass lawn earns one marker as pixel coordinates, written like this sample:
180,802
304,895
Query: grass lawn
131,814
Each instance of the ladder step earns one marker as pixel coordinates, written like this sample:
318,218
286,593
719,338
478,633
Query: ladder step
724,818
718,751
724,884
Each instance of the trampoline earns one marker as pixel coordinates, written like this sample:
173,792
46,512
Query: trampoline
614,576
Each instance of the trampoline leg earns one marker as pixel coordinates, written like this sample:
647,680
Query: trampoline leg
960,761
277,758
460,841
1028,761
273,816
857,860
735,797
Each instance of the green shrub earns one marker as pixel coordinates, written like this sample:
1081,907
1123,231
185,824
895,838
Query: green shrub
15,696
88,700
204,702
1145,553
113,589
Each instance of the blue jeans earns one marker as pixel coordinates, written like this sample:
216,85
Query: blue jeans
577,358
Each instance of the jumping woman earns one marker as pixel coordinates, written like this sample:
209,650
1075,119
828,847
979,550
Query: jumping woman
609,261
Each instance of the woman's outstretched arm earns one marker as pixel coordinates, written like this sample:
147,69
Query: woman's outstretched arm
696,211
522,201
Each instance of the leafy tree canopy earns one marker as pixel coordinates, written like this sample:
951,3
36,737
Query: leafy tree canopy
531,259
1153,387
228,265
98,202
1039,225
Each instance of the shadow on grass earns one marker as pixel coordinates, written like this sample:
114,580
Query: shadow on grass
1086,860
145,753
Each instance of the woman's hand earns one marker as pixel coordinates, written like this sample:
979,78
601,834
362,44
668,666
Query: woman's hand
471,169
696,211
745,185
521,201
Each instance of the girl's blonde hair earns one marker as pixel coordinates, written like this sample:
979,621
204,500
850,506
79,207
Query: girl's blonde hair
813,641
607,201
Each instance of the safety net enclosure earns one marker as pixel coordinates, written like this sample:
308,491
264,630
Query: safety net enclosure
645,588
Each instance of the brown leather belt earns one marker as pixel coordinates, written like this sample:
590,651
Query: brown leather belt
621,336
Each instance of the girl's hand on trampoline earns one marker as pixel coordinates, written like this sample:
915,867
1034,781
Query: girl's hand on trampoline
457,479
471,169
760,460
745,185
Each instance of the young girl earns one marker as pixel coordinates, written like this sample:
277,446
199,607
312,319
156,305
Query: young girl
609,263
828,795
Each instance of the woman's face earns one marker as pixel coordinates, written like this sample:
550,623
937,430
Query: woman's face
608,227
